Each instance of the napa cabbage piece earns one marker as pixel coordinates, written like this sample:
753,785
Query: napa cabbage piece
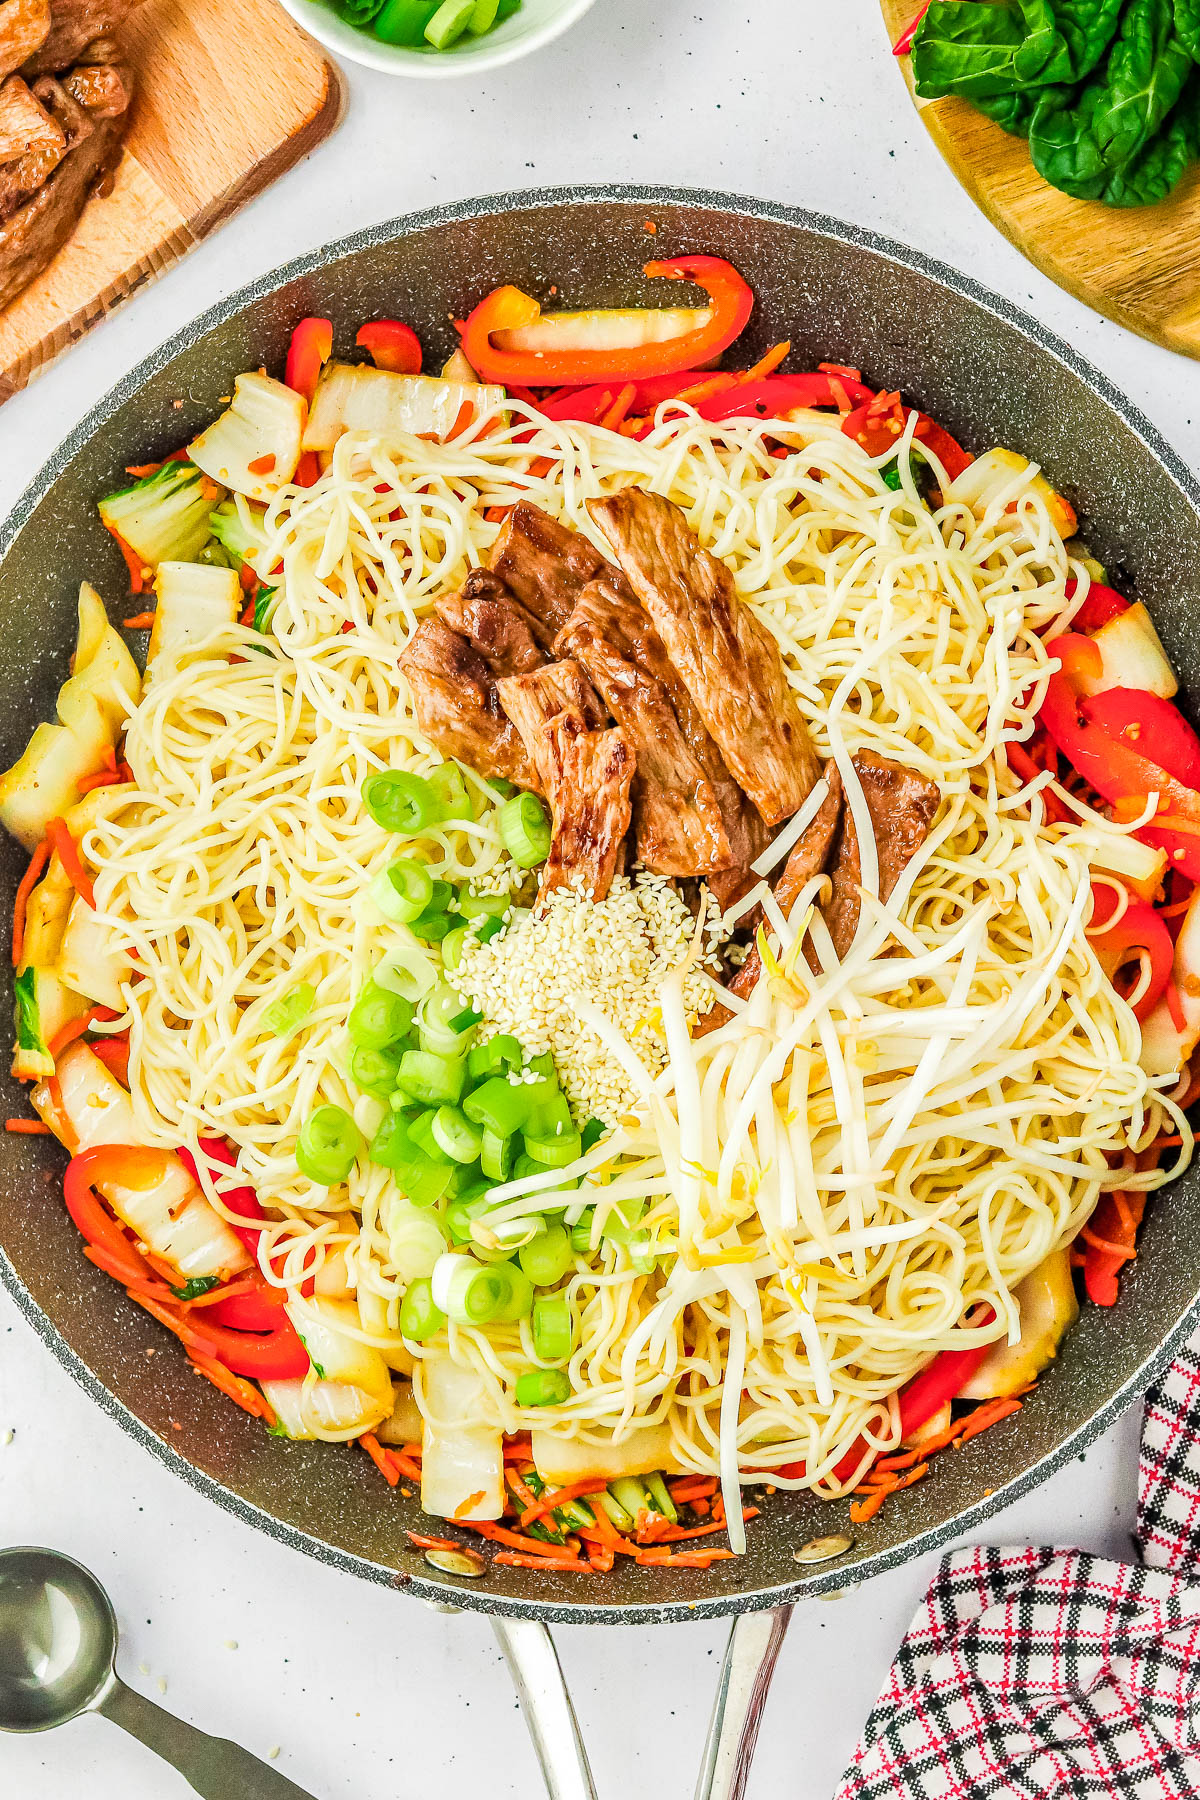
644,1449
1003,473
617,328
90,960
356,397
373,1316
405,1425
43,1004
321,1409
96,1107
462,1461
45,783
165,515
195,600
240,532
254,445
1132,656
160,1202
352,1390
1049,1308
1140,866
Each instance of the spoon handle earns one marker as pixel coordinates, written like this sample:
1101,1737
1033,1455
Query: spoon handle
216,1768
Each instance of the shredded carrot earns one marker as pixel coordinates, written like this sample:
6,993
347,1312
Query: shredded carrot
25,887
140,471
1126,1252
601,1561
139,573
421,1542
496,515
75,1028
68,855
661,1532
139,622
262,465
513,1539
102,778
573,1565
990,1413
654,1558
706,390
243,1393
559,1497
519,1448
465,1506
541,465
462,422
380,1457
693,1487
611,420
768,363
28,1127
113,1052
840,369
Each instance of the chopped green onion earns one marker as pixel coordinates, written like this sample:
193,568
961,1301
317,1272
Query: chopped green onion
430,1079
421,1179
581,1232
543,1387
453,945
630,1492
553,1153
483,17
489,929
328,1144
502,1106
419,1317
524,827
403,891
497,783
435,1021
420,1130
661,1497
616,1512
552,1327
482,906
547,1259
285,1016
543,1064
461,1211
550,1115
404,21
378,1017
374,1071
497,1054
591,1134
432,927
449,22
453,794
474,1293
496,1155
456,1136
464,1020
400,802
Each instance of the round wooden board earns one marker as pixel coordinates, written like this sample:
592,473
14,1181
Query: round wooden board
1140,266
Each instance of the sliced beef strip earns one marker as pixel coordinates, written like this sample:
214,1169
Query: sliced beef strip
458,707
560,690
100,86
74,25
25,126
809,855
677,818
902,805
36,227
545,564
24,28
494,624
730,664
591,809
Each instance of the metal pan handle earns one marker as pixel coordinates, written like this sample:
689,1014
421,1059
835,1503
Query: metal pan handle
542,1690
750,1656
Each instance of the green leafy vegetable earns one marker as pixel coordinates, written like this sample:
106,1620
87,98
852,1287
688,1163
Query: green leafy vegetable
196,1285
1161,166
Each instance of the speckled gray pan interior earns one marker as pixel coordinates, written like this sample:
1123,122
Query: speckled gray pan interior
991,375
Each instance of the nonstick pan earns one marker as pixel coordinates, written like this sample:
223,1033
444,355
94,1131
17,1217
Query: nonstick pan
989,373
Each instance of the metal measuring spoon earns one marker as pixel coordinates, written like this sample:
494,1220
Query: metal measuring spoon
58,1641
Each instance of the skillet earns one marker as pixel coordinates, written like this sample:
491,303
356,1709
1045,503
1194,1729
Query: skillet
991,374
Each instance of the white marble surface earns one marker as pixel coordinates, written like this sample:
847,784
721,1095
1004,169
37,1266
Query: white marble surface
370,1696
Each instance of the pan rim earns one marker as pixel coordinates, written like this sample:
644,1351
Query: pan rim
485,206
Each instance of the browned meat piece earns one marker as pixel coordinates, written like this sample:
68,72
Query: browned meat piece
901,804
457,706
100,87
74,24
546,565
24,26
809,855
25,125
729,662
676,815
493,623
533,702
36,227
591,809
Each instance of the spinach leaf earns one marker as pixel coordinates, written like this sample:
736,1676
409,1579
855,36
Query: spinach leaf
964,47
1160,167
1079,140
1065,39
1013,111
1187,25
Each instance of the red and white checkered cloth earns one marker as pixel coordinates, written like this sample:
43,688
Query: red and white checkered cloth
1048,1673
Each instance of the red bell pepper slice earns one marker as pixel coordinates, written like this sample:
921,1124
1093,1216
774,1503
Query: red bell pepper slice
259,1310
507,308
308,352
903,43
93,1218
1109,1240
877,428
1102,605
944,1379
777,395
1120,774
1139,929
274,1355
1148,723
242,1201
391,345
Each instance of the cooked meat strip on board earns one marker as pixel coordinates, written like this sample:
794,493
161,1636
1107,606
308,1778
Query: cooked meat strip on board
24,28
591,809
25,126
493,623
457,706
74,26
730,663
547,565
901,804
676,815
38,225
560,690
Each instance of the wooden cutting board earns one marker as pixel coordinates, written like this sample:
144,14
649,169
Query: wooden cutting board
230,93
1140,267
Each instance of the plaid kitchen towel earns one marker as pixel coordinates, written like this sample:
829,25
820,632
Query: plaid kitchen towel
1048,1673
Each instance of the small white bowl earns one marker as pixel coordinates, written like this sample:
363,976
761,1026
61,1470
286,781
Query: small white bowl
536,23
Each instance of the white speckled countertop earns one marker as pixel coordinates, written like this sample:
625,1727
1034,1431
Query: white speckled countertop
369,1696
